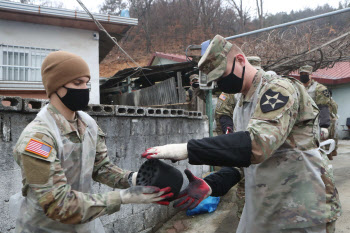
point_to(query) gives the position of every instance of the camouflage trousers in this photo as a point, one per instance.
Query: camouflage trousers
(240, 197)
(330, 228)
(333, 135)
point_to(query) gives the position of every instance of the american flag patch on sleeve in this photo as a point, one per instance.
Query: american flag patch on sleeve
(222, 96)
(38, 148)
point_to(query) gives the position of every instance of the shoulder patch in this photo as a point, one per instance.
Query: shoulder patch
(223, 97)
(272, 100)
(38, 148)
(326, 93)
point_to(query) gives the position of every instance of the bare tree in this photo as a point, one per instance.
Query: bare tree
(242, 13)
(287, 49)
(142, 10)
(260, 11)
(112, 6)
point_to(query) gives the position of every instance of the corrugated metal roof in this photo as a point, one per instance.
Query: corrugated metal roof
(338, 74)
(153, 73)
(60, 12)
(169, 56)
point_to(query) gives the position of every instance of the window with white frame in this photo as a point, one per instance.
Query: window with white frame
(19, 63)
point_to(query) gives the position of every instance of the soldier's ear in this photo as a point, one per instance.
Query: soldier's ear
(240, 59)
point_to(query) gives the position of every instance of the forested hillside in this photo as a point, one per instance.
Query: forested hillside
(171, 25)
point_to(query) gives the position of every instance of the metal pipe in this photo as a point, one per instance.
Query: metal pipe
(209, 111)
(289, 23)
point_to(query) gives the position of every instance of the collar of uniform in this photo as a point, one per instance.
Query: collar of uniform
(64, 125)
(254, 86)
(310, 84)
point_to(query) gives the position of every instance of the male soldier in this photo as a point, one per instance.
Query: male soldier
(289, 185)
(193, 92)
(226, 104)
(224, 124)
(62, 150)
(321, 95)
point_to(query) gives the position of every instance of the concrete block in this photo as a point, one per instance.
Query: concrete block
(143, 127)
(178, 113)
(155, 112)
(5, 128)
(18, 123)
(172, 211)
(33, 105)
(130, 224)
(11, 103)
(138, 208)
(195, 115)
(99, 110)
(7, 161)
(154, 215)
(120, 126)
(10, 184)
(149, 230)
(124, 212)
(124, 110)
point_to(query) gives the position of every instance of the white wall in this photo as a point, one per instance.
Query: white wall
(341, 95)
(73, 40)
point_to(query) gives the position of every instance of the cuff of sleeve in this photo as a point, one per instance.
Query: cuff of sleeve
(113, 202)
(125, 179)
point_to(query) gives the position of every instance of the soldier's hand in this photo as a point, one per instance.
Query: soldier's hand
(324, 133)
(174, 152)
(196, 191)
(145, 195)
(228, 130)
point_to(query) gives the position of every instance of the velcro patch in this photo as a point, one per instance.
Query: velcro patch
(272, 100)
(222, 97)
(326, 93)
(38, 148)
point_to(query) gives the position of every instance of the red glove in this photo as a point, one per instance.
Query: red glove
(196, 191)
(228, 130)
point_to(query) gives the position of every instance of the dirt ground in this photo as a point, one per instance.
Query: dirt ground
(224, 220)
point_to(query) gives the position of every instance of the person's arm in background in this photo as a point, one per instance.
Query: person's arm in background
(224, 111)
(323, 102)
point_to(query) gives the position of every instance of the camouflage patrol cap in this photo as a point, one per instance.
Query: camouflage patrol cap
(194, 76)
(213, 62)
(306, 69)
(255, 61)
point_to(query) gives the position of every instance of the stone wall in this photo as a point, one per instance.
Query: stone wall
(130, 130)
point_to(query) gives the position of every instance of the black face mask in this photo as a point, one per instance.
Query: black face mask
(231, 84)
(75, 99)
(195, 85)
(304, 78)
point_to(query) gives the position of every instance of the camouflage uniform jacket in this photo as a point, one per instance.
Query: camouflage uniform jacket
(48, 181)
(224, 107)
(284, 125)
(320, 94)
